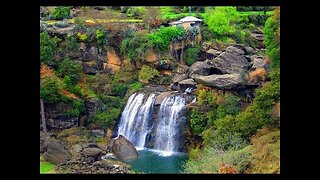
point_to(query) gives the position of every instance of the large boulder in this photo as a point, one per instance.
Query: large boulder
(56, 152)
(232, 61)
(179, 77)
(225, 81)
(212, 53)
(199, 68)
(187, 83)
(122, 148)
(183, 85)
(235, 50)
(91, 151)
(249, 50)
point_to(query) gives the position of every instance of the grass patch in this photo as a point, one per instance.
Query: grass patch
(46, 167)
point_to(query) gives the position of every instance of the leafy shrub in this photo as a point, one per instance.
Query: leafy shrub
(76, 89)
(248, 39)
(77, 107)
(48, 47)
(147, 73)
(230, 106)
(134, 47)
(251, 26)
(161, 39)
(136, 86)
(239, 36)
(258, 20)
(206, 97)
(198, 121)
(107, 117)
(83, 37)
(136, 11)
(218, 20)
(272, 38)
(71, 69)
(265, 150)
(194, 153)
(72, 43)
(120, 89)
(211, 158)
(50, 89)
(61, 13)
(100, 36)
(192, 54)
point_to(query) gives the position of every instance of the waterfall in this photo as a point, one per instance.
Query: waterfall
(163, 131)
(134, 119)
(167, 131)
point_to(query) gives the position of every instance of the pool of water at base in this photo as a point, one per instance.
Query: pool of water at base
(158, 162)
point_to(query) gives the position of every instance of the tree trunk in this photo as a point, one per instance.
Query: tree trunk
(43, 120)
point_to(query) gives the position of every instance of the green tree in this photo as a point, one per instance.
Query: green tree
(134, 47)
(198, 121)
(71, 69)
(231, 106)
(61, 13)
(192, 54)
(161, 39)
(272, 38)
(218, 20)
(147, 73)
(50, 89)
(48, 47)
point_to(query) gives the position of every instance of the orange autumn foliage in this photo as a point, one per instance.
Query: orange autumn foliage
(84, 86)
(227, 169)
(46, 71)
(256, 75)
(68, 94)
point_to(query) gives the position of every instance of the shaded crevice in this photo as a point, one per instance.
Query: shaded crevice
(215, 71)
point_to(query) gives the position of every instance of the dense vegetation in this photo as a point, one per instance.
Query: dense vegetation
(236, 134)
(230, 129)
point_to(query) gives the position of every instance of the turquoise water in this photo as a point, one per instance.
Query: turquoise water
(150, 161)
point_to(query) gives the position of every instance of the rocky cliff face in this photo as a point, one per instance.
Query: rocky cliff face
(228, 69)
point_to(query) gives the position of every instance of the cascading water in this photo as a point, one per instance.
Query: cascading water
(134, 119)
(143, 118)
(167, 131)
(156, 132)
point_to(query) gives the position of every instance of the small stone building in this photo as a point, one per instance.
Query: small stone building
(187, 22)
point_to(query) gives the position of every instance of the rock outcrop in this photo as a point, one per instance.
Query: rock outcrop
(161, 96)
(113, 61)
(200, 68)
(225, 81)
(122, 148)
(232, 61)
(212, 53)
(55, 152)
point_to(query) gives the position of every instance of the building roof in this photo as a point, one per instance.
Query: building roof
(189, 18)
(175, 22)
